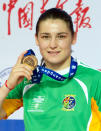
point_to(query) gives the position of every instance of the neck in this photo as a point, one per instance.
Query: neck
(59, 66)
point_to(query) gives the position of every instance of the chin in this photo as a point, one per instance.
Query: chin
(54, 62)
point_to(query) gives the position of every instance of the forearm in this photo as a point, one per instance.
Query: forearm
(3, 93)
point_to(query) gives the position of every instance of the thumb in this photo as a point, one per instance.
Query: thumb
(20, 57)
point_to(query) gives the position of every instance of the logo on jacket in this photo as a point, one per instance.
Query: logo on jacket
(69, 103)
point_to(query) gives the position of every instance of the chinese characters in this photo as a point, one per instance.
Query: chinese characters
(25, 13)
(25, 16)
(81, 19)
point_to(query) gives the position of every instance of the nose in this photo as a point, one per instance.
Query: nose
(53, 43)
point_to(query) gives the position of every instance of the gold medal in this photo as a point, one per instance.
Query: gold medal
(30, 61)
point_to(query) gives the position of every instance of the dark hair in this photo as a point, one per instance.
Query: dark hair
(55, 13)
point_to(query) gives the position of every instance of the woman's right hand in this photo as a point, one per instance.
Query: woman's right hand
(18, 72)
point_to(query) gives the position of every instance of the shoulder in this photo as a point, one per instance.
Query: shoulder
(85, 67)
(87, 70)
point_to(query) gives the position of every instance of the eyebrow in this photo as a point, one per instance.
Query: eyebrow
(62, 33)
(45, 33)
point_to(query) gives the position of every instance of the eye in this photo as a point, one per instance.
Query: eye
(61, 36)
(45, 37)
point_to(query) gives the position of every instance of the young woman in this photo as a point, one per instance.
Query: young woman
(61, 99)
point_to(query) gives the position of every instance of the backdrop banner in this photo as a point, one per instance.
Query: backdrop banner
(17, 30)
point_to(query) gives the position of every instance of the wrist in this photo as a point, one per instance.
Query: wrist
(7, 86)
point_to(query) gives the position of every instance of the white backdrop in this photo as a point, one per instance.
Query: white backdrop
(14, 40)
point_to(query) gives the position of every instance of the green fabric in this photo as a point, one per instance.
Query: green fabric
(44, 104)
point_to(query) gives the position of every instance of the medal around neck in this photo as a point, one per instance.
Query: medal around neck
(30, 60)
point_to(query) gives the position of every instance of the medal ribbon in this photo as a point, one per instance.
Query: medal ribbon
(37, 73)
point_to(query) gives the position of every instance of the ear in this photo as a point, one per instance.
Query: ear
(36, 40)
(74, 38)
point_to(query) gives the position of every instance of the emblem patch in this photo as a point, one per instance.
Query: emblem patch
(69, 103)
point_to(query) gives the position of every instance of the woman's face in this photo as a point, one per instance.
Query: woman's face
(54, 40)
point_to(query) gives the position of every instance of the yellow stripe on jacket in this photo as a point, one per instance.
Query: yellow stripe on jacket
(11, 105)
(95, 124)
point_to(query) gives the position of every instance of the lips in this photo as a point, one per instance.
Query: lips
(53, 52)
